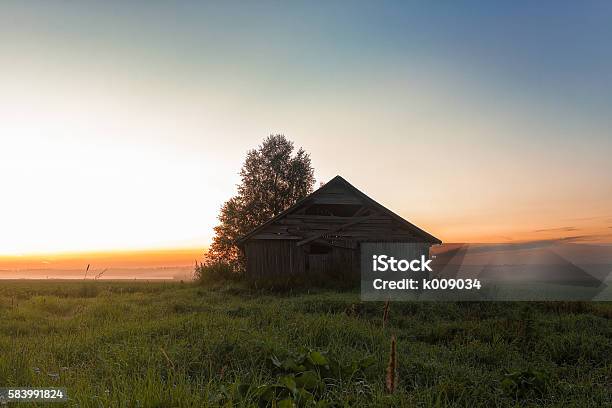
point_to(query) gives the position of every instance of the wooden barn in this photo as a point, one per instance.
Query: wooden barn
(322, 234)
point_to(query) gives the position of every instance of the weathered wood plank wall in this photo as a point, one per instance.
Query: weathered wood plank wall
(274, 257)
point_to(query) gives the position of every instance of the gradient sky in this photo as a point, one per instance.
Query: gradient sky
(123, 125)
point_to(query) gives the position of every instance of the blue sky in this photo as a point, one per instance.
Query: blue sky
(503, 110)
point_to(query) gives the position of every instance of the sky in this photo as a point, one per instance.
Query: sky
(123, 125)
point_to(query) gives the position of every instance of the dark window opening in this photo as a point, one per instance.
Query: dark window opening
(319, 249)
(336, 210)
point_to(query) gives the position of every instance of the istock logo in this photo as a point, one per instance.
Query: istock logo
(382, 263)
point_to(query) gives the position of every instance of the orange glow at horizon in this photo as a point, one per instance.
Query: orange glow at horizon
(149, 258)
(589, 230)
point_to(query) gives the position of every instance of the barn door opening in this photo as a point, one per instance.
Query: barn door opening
(318, 257)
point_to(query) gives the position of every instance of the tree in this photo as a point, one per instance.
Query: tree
(272, 180)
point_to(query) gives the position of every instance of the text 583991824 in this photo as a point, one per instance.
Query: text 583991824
(29, 394)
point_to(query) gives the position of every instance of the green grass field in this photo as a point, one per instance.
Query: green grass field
(131, 344)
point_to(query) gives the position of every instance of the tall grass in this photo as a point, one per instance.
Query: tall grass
(215, 273)
(173, 345)
(391, 374)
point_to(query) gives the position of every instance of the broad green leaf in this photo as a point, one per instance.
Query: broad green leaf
(269, 392)
(291, 365)
(309, 380)
(317, 358)
(289, 382)
(304, 397)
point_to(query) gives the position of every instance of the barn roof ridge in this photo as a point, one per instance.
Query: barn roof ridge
(339, 179)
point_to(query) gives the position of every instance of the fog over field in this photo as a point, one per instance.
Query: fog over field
(593, 259)
(168, 264)
(161, 273)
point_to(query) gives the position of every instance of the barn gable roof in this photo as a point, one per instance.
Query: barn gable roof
(338, 181)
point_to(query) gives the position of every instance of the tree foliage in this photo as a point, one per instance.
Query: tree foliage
(273, 178)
